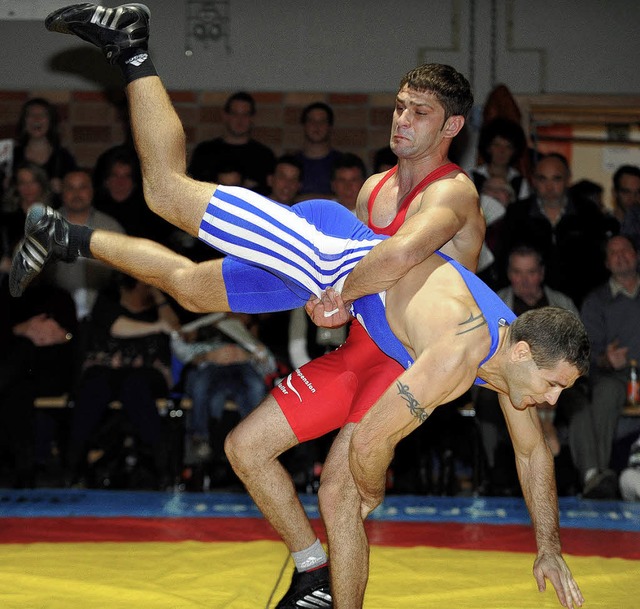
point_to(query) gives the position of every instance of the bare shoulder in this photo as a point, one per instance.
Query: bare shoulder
(362, 204)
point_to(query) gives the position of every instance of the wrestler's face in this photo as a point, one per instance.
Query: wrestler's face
(530, 385)
(418, 126)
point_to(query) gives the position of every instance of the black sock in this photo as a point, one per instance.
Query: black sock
(79, 239)
(135, 63)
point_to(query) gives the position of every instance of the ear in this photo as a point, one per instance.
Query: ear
(453, 126)
(521, 352)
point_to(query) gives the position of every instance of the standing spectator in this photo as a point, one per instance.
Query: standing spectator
(569, 234)
(502, 144)
(626, 208)
(347, 177)
(82, 278)
(39, 141)
(317, 155)
(527, 291)
(236, 146)
(286, 180)
(611, 315)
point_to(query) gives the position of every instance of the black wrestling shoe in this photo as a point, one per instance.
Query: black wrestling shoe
(46, 237)
(111, 29)
(308, 590)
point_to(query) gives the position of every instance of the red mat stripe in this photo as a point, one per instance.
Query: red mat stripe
(508, 538)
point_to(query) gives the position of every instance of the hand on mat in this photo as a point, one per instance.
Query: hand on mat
(553, 568)
(328, 311)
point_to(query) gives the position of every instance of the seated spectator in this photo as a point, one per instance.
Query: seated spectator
(317, 154)
(626, 206)
(38, 141)
(29, 185)
(36, 360)
(527, 291)
(611, 315)
(84, 277)
(348, 174)
(286, 180)
(569, 234)
(236, 146)
(120, 196)
(128, 359)
(219, 368)
(591, 191)
(502, 144)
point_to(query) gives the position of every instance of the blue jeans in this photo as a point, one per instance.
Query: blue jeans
(209, 386)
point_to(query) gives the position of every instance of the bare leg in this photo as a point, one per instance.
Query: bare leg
(253, 448)
(197, 287)
(340, 507)
(160, 142)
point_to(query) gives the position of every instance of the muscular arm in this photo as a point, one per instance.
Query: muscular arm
(400, 410)
(445, 208)
(536, 473)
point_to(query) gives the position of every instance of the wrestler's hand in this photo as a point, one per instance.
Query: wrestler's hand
(328, 311)
(554, 568)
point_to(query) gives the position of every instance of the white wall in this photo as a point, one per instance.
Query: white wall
(534, 46)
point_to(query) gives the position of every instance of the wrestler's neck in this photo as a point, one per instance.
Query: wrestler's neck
(492, 372)
(411, 171)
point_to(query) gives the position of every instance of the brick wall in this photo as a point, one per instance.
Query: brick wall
(90, 121)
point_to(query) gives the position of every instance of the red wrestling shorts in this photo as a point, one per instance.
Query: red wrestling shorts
(337, 388)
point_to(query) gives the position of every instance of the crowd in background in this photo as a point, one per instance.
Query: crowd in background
(103, 339)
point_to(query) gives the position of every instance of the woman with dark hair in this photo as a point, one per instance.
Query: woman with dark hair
(501, 145)
(38, 141)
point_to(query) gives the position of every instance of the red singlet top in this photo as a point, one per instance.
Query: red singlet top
(397, 222)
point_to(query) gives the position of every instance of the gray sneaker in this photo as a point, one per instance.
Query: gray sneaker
(111, 29)
(46, 237)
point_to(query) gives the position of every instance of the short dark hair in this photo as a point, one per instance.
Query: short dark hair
(240, 96)
(348, 160)
(450, 87)
(624, 170)
(384, 156)
(289, 159)
(553, 335)
(326, 108)
(526, 250)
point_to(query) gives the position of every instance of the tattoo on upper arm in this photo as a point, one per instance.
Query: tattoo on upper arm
(473, 323)
(414, 406)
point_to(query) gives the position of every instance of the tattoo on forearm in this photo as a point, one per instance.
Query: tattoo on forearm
(473, 323)
(414, 406)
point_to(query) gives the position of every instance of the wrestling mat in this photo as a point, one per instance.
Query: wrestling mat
(68, 549)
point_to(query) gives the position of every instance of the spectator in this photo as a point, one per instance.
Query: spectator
(317, 154)
(569, 234)
(384, 159)
(128, 359)
(286, 180)
(347, 177)
(218, 369)
(235, 146)
(39, 141)
(120, 196)
(501, 146)
(527, 291)
(82, 278)
(626, 208)
(611, 315)
(30, 185)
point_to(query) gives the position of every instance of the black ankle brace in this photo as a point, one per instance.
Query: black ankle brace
(79, 240)
(135, 63)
